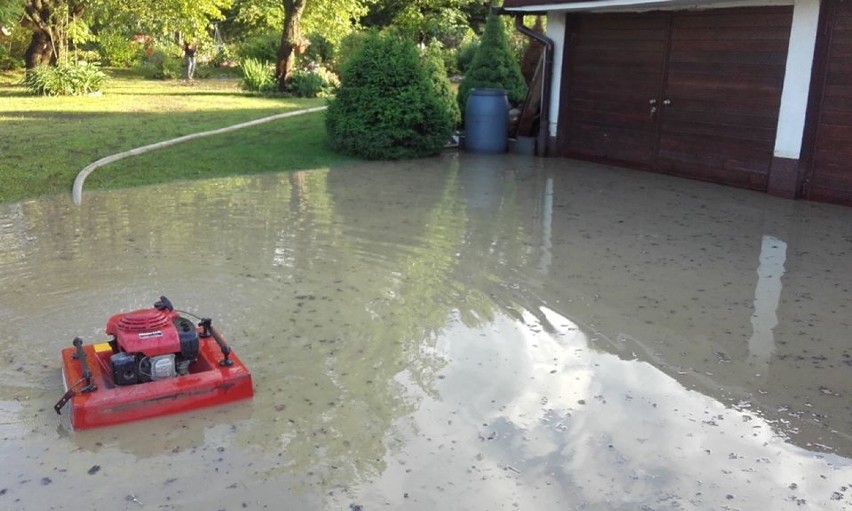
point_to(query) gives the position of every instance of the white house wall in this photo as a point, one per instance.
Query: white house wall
(797, 79)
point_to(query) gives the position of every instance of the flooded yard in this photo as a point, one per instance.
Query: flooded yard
(458, 333)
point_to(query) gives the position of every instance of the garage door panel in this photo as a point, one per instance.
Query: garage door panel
(624, 144)
(648, 34)
(721, 134)
(835, 178)
(721, 118)
(685, 144)
(613, 60)
(591, 139)
(764, 97)
(829, 155)
(691, 106)
(739, 176)
(741, 91)
(743, 35)
(729, 61)
(627, 110)
(594, 87)
(831, 182)
(614, 65)
(842, 49)
(731, 18)
(720, 70)
(836, 117)
(613, 74)
(636, 23)
(723, 45)
(838, 92)
(614, 118)
(617, 46)
(828, 194)
(835, 136)
(843, 22)
(741, 77)
(830, 177)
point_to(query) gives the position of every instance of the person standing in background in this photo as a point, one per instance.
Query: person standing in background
(189, 48)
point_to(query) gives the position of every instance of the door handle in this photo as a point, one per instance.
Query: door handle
(653, 111)
(667, 102)
(652, 102)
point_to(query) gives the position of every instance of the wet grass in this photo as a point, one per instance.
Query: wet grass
(46, 141)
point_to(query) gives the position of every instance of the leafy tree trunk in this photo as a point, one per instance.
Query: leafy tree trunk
(291, 41)
(47, 19)
(40, 51)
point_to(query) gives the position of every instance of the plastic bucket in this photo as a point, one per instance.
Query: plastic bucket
(486, 121)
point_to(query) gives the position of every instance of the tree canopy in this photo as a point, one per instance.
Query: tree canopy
(55, 24)
(49, 20)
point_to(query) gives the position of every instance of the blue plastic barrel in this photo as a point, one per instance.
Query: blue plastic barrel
(486, 121)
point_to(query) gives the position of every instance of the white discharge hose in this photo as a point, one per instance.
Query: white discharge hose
(77, 189)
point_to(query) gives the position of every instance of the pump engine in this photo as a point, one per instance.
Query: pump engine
(151, 344)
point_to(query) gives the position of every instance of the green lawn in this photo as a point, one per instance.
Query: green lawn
(46, 141)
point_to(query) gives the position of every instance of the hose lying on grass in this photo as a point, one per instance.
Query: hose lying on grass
(77, 189)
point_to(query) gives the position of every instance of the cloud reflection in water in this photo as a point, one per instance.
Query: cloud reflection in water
(543, 417)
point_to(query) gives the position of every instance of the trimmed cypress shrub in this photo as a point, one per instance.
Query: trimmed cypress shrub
(387, 106)
(434, 62)
(494, 66)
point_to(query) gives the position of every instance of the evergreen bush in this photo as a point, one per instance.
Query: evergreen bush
(494, 66)
(349, 47)
(434, 61)
(465, 55)
(387, 106)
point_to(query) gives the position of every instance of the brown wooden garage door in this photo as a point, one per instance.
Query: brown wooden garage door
(692, 94)
(830, 178)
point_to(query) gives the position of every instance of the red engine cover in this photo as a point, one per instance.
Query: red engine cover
(148, 331)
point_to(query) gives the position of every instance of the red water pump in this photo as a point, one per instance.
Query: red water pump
(151, 344)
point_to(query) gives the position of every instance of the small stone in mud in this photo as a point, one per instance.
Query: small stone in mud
(94, 470)
(46, 480)
(3, 491)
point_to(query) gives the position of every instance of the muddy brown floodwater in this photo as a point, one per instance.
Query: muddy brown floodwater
(457, 333)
